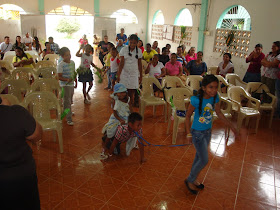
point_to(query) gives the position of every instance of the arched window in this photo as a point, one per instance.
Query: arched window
(183, 18)
(10, 11)
(69, 10)
(158, 18)
(124, 16)
(235, 17)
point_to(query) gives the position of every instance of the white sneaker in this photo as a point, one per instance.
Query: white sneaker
(70, 123)
(87, 101)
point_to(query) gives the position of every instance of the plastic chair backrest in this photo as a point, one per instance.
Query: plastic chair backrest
(213, 69)
(16, 87)
(6, 64)
(31, 52)
(40, 104)
(50, 85)
(147, 86)
(222, 81)
(233, 79)
(144, 66)
(11, 98)
(256, 86)
(35, 58)
(42, 64)
(10, 53)
(46, 72)
(194, 81)
(178, 97)
(23, 73)
(172, 81)
(9, 58)
(52, 57)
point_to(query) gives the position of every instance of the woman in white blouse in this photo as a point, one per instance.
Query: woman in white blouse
(226, 66)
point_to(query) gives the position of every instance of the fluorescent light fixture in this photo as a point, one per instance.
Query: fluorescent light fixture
(66, 9)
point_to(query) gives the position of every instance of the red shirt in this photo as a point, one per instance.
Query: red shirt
(255, 67)
(142, 49)
(123, 134)
(83, 41)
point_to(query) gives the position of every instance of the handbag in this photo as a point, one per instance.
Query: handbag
(263, 97)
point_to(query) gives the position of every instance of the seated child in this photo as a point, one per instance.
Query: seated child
(126, 133)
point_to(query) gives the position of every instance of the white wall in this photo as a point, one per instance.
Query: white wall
(9, 28)
(264, 16)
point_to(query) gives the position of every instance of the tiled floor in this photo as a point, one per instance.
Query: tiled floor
(243, 173)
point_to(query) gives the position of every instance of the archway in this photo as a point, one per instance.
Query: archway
(183, 18)
(158, 18)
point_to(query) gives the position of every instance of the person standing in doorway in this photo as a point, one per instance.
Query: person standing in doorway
(54, 46)
(122, 36)
(103, 46)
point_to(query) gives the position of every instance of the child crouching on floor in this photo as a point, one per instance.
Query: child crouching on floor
(126, 133)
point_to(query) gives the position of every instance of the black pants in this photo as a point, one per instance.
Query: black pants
(20, 194)
(101, 58)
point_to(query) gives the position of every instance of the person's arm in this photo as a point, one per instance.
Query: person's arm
(30, 47)
(29, 61)
(120, 68)
(250, 57)
(270, 64)
(204, 69)
(140, 70)
(163, 73)
(78, 54)
(117, 39)
(224, 119)
(190, 111)
(61, 78)
(113, 145)
(37, 135)
(17, 64)
(118, 118)
(180, 71)
(230, 70)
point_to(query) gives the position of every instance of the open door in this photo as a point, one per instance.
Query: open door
(105, 26)
(35, 25)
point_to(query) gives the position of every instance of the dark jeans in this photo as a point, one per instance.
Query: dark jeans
(20, 194)
(101, 57)
(252, 77)
(201, 141)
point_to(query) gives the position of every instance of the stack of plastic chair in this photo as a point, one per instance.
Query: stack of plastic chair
(259, 88)
(51, 57)
(38, 102)
(148, 98)
(222, 82)
(144, 67)
(178, 96)
(236, 94)
(24, 73)
(9, 58)
(235, 80)
(42, 64)
(46, 72)
(7, 65)
(36, 58)
(194, 81)
(212, 70)
(18, 88)
(11, 98)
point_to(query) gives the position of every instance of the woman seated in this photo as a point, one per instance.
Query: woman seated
(35, 45)
(191, 55)
(140, 45)
(18, 44)
(253, 73)
(174, 67)
(164, 57)
(197, 67)
(225, 66)
(48, 50)
(22, 59)
(155, 47)
(148, 53)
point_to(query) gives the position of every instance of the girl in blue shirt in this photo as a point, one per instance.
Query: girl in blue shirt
(203, 105)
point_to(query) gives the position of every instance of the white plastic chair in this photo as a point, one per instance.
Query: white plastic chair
(7, 65)
(235, 95)
(42, 64)
(51, 57)
(46, 72)
(235, 80)
(212, 70)
(38, 104)
(9, 58)
(259, 88)
(148, 98)
(18, 88)
(24, 73)
(11, 98)
(225, 83)
(179, 95)
(194, 81)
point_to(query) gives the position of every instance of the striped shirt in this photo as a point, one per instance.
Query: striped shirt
(123, 134)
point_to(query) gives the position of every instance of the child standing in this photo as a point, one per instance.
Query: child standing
(203, 105)
(86, 74)
(65, 70)
(126, 133)
(114, 62)
(121, 111)
(108, 66)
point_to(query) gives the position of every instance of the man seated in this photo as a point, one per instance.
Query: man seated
(126, 134)
(5, 46)
(27, 40)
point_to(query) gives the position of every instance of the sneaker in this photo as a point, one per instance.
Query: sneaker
(87, 101)
(70, 123)
(88, 97)
(136, 146)
(73, 113)
(106, 88)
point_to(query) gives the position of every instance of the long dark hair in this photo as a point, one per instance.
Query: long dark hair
(277, 43)
(17, 41)
(23, 53)
(229, 55)
(37, 44)
(135, 38)
(206, 81)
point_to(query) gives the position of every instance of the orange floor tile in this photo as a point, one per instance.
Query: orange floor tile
(243, 173)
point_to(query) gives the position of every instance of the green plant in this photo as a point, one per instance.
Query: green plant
(68, 25)
(183, 33)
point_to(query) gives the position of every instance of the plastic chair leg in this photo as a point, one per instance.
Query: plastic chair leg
(271, 118)
(175, 130)
(60, 140)
(247, 121)
(257, 123)
(239, 121)
(54, 135)
(165, 112)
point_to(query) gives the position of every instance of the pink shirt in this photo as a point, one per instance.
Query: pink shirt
(173, 69)
(189, 58)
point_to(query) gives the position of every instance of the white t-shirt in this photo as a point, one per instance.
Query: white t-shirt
(156, 70)
(225, 70)
(86, 60)
(27, 40)
(67, 70)
(6, 47)
(114, 64)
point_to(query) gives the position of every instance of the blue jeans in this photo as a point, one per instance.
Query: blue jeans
(109, 78)
(201, 140)
(277, 87)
